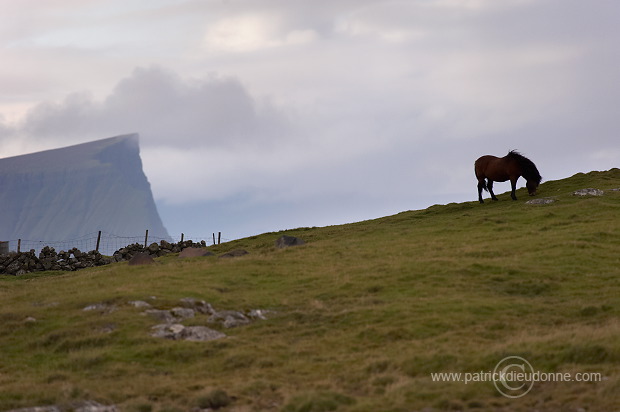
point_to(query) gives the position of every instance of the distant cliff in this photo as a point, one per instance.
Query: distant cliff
(66, 193)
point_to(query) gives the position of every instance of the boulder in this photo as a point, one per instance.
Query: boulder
(286, 241)
(173, 315)
(190, 252)
(139, 304)
(141, 259)
(161, 315)
(183, 313)
(167, 331)
(86, 406)
(200, 334)
(100, 307)
(153, 249)
(541, 201)
(234, 253)
(190, 333)
(229, 318)
(258, 314)
(588, 192)
(199, 306)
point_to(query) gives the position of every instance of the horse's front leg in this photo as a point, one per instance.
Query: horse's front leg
(490, 187)
(513, 183)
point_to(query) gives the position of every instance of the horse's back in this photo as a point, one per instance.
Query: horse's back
(483, 160)
(482, 163)
(494, 168)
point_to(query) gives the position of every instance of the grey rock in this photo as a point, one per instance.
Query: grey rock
(541, 201)
(86, 406)
(588, 192)
(229, 318)
(189, 333)
(201, 334)
(139, 304)
(153, 248)
(141, 259)
(286, 241)
(161, 315)
(182, 313)
(90, 406)
(260, 314)
(198, 305)
(190, 252)
(234, 253)
(102, 307)
(167, 331)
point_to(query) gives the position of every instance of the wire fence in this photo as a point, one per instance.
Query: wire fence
(106, 243)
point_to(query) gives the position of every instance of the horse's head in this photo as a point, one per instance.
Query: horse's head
(531, 187)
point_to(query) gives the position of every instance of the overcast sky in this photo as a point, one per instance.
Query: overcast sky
(262, 115)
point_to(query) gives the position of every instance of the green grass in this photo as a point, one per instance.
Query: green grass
(364, 313)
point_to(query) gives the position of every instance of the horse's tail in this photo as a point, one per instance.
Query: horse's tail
(481, 182)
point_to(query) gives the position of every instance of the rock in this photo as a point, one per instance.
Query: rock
(90, 406)
(87, 406)
(198, 305)
(30, 319)
(161, 315)
(190, 252)
(588, 192)
(141, 259)
(139, 304)
(286, 241)
(190, 333)
(170, 316)
(167, 331)
(182, 313)
(153, 249)
(260, 314)
(102, 307)
(229, 318)
(234, 253)
(541, 201)
(200, 334)
(15, 263)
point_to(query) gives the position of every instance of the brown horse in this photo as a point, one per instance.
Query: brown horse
(491, 169)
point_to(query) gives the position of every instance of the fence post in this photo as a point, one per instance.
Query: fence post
(19, 245)
(98, 241)
(219, 237)
(214, 238)
(182, 236)
(146, 238)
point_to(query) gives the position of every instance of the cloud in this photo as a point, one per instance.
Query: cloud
(254, 32)
(166, 110)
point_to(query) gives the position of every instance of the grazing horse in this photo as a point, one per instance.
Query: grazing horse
(491, 169)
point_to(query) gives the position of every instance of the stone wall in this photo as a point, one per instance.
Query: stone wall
(21, 263)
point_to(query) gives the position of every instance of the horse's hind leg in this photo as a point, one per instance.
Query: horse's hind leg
(481, 185)
(490, 188)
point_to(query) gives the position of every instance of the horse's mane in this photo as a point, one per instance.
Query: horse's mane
(528, 168)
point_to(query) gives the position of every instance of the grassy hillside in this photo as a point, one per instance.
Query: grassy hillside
(363, 314)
